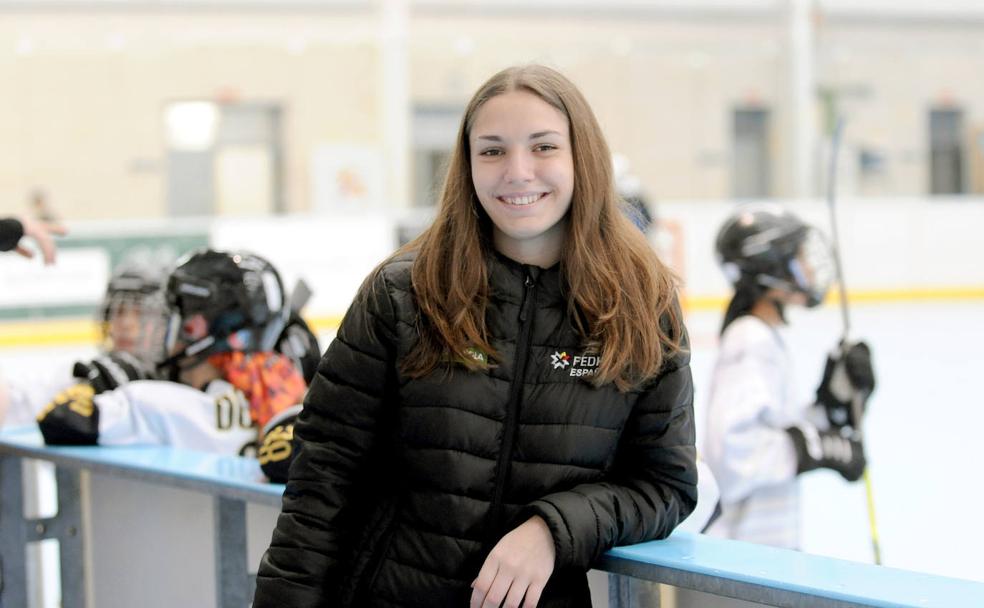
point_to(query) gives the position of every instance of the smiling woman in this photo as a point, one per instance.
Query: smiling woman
(523, 173)
(509, 395)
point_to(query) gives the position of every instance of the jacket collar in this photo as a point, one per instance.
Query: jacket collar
(507, 279)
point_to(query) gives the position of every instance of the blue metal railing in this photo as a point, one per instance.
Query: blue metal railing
(724, 568)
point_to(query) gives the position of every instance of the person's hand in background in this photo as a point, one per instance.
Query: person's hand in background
(42, 233)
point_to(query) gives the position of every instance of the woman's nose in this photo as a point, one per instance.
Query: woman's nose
(519, 168)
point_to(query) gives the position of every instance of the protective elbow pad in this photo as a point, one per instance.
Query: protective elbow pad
(277, 446)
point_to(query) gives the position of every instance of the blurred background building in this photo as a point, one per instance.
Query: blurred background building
(139, 108)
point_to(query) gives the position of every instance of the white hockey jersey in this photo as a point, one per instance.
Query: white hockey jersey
(745, 444)
(157, 412)
(28, 394)
(154, 412)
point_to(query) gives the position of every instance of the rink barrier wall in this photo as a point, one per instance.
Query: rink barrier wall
(730, 569)
(893, 250)
(83, 332)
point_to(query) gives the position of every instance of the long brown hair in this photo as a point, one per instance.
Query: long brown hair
(618, 289)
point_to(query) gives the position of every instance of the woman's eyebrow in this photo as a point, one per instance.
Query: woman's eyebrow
(536, 135)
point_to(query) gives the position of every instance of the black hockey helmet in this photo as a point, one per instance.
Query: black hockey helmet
(221, 302)
(764, 246)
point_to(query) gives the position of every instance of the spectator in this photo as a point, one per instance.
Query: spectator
(508, 396)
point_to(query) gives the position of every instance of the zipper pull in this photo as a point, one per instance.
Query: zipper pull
(530, 283)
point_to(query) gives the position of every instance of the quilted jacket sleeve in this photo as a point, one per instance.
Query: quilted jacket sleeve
(651, 487)
(337, 433)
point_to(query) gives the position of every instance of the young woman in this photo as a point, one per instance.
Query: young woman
(509, 395)
(758, 437)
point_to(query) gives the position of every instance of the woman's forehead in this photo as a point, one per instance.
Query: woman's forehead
(518, 114)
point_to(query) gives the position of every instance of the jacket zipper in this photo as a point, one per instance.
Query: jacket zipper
(512, 408)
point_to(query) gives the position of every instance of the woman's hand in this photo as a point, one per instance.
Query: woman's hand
(519, 565)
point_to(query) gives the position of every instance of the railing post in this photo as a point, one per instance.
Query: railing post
(71, 538)
(13, 535)
(628, 592)
(233, 585)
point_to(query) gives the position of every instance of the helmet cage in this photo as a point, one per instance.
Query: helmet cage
(763, 248)
(131, 315)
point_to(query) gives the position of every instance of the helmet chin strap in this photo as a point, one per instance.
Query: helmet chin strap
(187, 358)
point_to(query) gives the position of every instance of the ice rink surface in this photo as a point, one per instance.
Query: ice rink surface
(923, 429)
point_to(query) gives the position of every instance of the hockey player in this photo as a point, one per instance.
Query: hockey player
(758, 439)
(131, 319)
(226, 389)
(131, 322)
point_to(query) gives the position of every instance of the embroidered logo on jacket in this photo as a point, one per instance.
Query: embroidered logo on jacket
(580, 365)
(560, 360)
(476, 354)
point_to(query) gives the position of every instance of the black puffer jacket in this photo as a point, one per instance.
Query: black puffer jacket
(402, 487)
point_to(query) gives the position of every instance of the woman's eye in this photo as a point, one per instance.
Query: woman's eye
(490, 152)
(544, 147)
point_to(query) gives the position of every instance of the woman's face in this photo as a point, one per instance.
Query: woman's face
(523, 174)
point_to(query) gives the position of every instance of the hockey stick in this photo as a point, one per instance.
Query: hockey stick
(856, 403)
(835, 238)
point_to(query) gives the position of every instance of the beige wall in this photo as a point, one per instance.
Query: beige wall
(83, 94)
(662, 91)
(82, 111)
(893, 75)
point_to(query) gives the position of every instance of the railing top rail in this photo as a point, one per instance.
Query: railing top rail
(782, 577)
(218, 475)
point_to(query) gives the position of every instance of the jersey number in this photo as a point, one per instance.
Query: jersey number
(230, 410)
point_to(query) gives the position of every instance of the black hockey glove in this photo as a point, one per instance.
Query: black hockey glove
(827, 449)
(848, 381)
(107, 372)
(72, 417)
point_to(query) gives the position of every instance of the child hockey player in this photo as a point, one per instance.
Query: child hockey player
(758, 439)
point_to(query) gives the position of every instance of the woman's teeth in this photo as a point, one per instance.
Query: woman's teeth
(521, 200)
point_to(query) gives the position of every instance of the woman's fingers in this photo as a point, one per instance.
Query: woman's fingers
(497, 593)
(533, 595)
(483, 583)
(516, 593)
